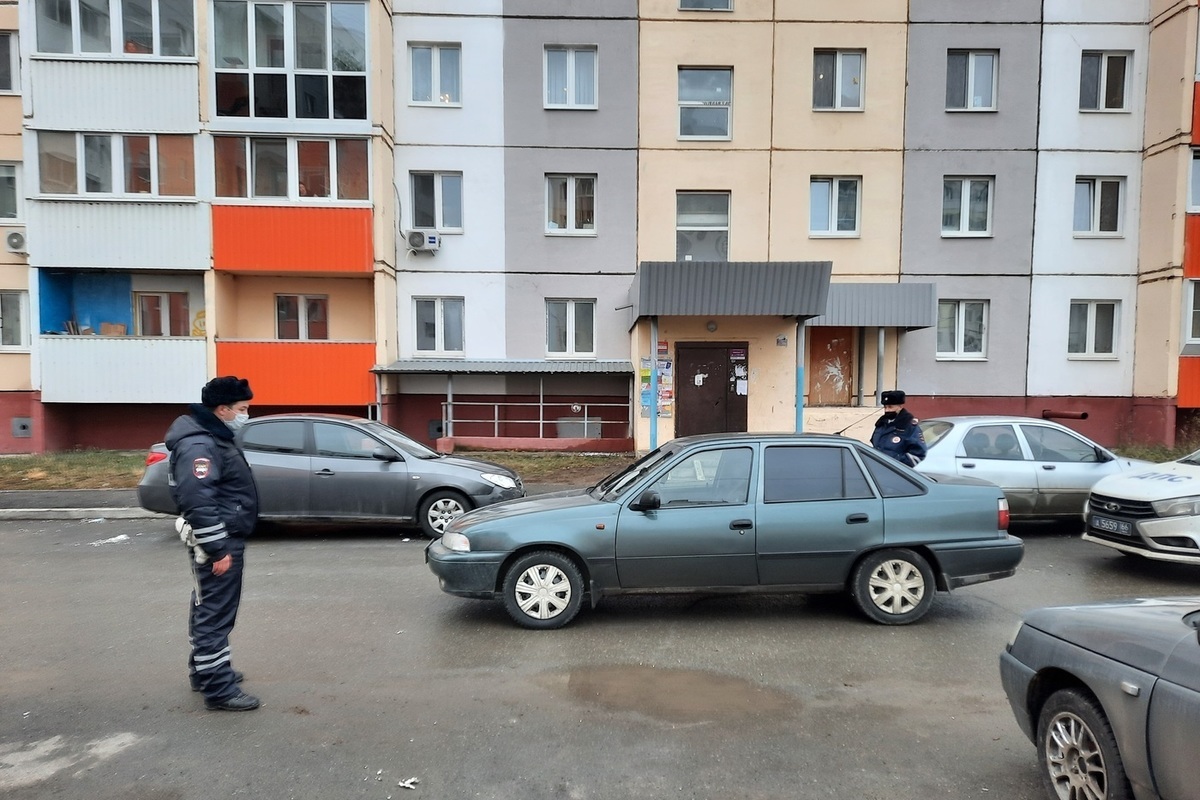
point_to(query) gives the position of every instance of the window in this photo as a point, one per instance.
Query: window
(888, 479)
(10, 63)
(120, 165)
(1052, 444)
(1194, 183)
(570, 204)
(1092, 329)
(290, 60)
(1103, 81)
(967, 206)
(299, 316)
(10, 191)
(571, 327)
(162, 314)
(706, 5)
(797, 474)
(570, 77)
(702, 226)
(131, 27)
(437, 200)
(711, 477)
(292, 168)
(436, 74)
(971, 80)
(995, 442)
(439, 325)
(705, 100)
(962, 328)
(342, 441)
(1098, 205)
(838, 80)
(1193, 311)
(833, 206)
(275, 437)
(14, 313)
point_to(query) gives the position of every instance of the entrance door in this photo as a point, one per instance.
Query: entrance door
(829, 354)
(711, 383)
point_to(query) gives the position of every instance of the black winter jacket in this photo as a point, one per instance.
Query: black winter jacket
(900, 438)
(211, 481)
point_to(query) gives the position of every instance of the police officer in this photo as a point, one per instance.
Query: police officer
(896, 432)
(218, 504)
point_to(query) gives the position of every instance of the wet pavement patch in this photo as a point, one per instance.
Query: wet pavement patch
(676, 695)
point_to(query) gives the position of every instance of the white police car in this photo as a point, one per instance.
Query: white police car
(1152, 512)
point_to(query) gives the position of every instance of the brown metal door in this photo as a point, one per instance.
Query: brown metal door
(710, 388)
(829, 354)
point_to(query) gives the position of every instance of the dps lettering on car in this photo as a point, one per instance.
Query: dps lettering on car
(1161, 476)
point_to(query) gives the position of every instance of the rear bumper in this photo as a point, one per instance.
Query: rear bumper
(464, 574)
(156, 498)
(966, 563)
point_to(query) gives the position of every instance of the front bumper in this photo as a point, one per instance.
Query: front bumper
(1016, 678)
(497, 495)
(464, 574)
(1161, 538)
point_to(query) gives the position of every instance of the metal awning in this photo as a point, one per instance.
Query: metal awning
(880, 305)
(730, 288)
(505, 366)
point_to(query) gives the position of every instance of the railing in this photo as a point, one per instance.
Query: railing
(529, 420)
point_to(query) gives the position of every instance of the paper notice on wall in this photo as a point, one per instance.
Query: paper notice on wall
(741, 386)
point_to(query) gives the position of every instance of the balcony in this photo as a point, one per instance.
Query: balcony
(305, 373)
(121, 369)
(275, 239)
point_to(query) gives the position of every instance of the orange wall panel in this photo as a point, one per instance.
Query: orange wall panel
(1191, 246)
(292, 239)
(302, 373)
(1189, 382)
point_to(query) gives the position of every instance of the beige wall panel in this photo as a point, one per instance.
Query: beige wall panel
(351, 306)
(8, 18)
(844, 11)
(875, 253)
(664, 47)
(880, 125)
(771, 393)
(12, 275)
(746, 176)
(14, 372)
(743, 10)
(1156, 371)
(11, 119)
(1171, 77)
(11, 148)
(1164, 198)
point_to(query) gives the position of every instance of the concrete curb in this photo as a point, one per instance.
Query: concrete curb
(78, 513)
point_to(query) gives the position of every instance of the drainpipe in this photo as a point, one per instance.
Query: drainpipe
(800, 347)
(858, 377)
(449, 406)
(653, 383)
(879, 366)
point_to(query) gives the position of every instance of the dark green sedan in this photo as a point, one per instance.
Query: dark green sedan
(736, 513)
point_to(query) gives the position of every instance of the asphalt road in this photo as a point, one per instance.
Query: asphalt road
(370, 676)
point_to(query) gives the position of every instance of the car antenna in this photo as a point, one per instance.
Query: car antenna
(852, 424)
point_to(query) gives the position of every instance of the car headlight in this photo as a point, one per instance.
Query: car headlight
(1012, 637)
(456, 542)
(1177, 507)
(503, 481)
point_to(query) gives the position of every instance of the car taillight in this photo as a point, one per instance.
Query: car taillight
(1002, 515)
(153, 457)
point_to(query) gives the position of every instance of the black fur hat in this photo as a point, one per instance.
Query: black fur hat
(892, 398)
(225, 391)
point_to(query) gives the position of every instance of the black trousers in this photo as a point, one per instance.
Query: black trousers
(211, 620)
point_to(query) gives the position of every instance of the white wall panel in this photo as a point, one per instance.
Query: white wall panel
(98, 369)
(114, 96)
(119, 234)
(483, 310)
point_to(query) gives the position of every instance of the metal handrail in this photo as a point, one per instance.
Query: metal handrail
(449, 418)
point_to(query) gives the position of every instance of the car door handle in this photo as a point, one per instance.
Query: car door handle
(855, 519)
(324, 473)
(1047, 466)
(741, 524)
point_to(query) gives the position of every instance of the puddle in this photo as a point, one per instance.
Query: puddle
(676, 695)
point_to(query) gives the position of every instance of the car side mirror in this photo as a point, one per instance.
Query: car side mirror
(382, 453)
(1102, 456)
(649, 501)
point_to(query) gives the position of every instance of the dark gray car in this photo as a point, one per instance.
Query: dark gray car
(325, 467)
(736, 513)
(1110, 694)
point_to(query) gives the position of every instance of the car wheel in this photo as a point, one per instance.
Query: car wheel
(1077, 751)
(894, 587)
(439, 510)
(543, 590)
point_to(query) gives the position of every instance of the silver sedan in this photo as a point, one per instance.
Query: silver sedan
(1045, 469)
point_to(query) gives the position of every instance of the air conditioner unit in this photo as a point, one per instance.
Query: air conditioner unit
(423, 240)
(15, 242)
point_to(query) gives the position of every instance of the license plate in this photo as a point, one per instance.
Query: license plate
(1112, 525)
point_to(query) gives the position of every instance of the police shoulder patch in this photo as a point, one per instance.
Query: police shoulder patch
(201, 467)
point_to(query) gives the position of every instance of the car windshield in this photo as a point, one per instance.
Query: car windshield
(399, 440)
(934, 430)
(616, 484)
(1193, 459)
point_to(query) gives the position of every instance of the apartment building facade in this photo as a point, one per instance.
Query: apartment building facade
(598, 226)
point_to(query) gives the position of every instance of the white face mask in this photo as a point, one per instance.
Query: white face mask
(237, 422)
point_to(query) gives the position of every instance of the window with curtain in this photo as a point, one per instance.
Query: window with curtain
(570, 77)
(971, 80)
(301, 169)
(124, 28)
(838, 80)
(436, 73)
(570, 204)
(159, 164)
(1092, 328)
(702, 226)
(571, 327)
(833, 206)
(439, 325)
(1098, 206)
(1103, 81)
(962, 329)
(299, 316)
